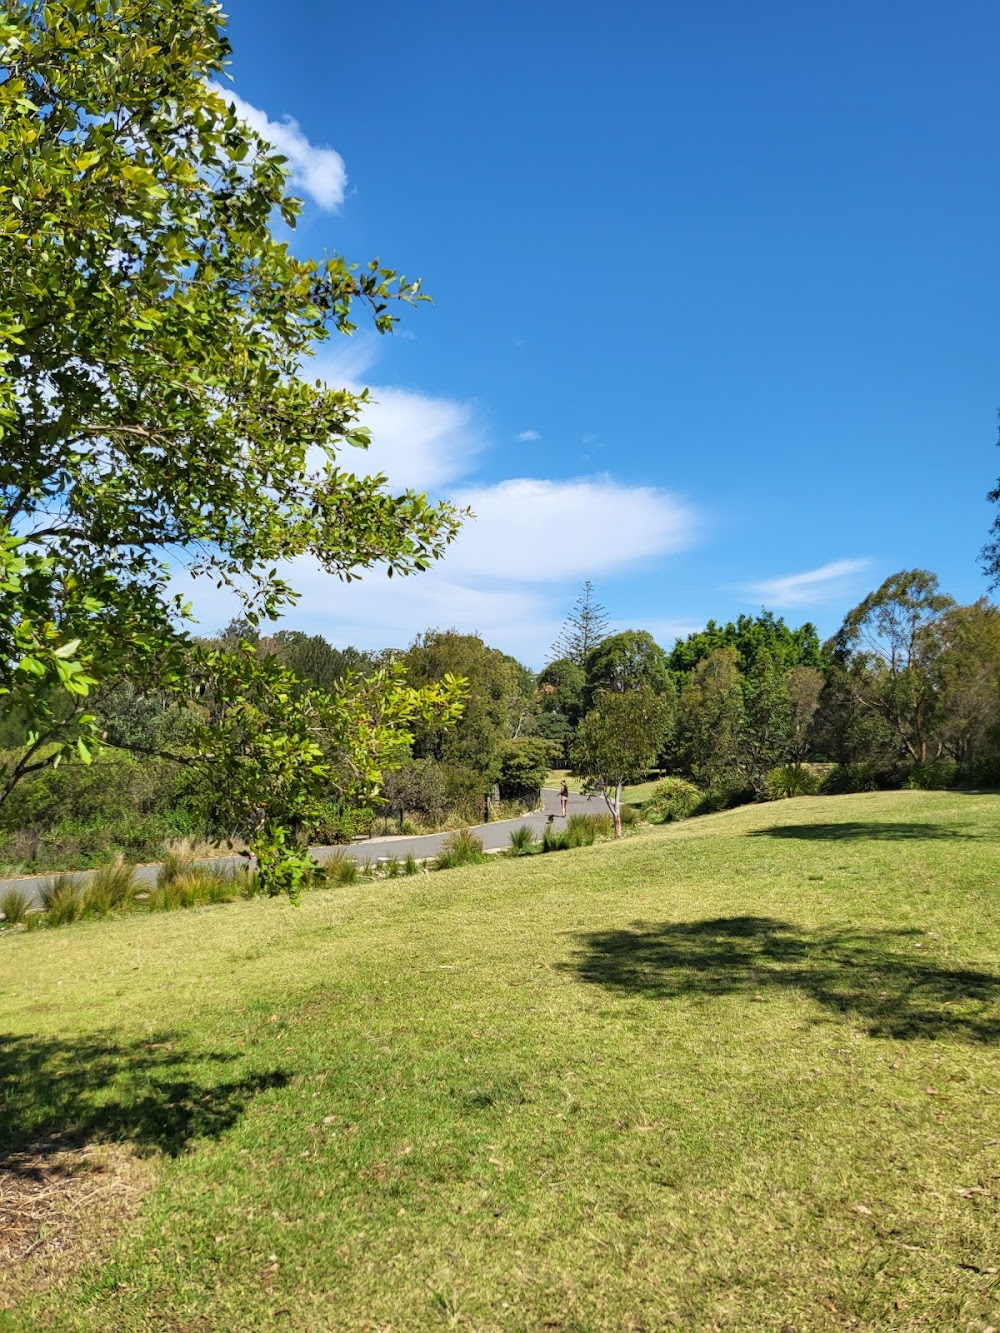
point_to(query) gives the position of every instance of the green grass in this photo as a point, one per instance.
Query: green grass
(741, 1072)
(634, 795)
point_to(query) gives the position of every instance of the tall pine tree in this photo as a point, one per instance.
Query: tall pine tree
(583, 629)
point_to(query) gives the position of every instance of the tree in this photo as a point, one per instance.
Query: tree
(767, 710)
(416, 786)
(626, 661)
(805, 685)
(750, 635)
(583, 629)
(500, 693)
(893, 636)
(152, 391)
(559, 703)
(618, 741)
(967, 678)
(711, 722)
(524, 763)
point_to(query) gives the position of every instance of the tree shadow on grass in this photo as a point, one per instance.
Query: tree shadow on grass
(156, 1095)
(872, 977)
(874, 830)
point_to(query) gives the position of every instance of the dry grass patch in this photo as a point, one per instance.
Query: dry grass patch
(62, 1209)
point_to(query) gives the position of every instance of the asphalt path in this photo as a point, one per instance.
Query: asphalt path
(494, 837)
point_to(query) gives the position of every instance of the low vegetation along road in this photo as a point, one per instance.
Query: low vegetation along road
(494, 836)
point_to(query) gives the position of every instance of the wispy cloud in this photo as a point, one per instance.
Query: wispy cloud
(814, 586)
(317, 172)
(418, 441)
(532, 530)
(510, 575)
(527, 435)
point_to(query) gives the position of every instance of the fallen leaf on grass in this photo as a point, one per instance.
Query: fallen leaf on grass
(972, 1189)
(860, 1208)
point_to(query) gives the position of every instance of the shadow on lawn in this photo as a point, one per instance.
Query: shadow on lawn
(60, 1093)
(880, 832)
(870, 976)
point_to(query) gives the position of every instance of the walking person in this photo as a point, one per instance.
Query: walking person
(564, 797)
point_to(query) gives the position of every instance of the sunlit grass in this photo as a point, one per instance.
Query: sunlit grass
(739, 1072)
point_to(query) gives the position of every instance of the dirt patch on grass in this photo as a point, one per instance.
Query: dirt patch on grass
(61, 1209)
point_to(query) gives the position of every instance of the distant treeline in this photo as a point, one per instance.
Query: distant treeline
(908, 690)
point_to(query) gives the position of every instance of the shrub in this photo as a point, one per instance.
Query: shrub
(15, 906)
(603, 824)
(522, 840)
(460, 849)
(850, 778)
(341, 868)
(936, 775)
(62, 900)
(788, 781)
(985, 772)
(339, 824)
(218, 886)
(112, 888)
(673, 798)
(630, 816)
(179, 891)
(553, 841)
(178, 858)
(407, 826)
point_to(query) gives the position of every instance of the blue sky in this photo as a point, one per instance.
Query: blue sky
(715, 295)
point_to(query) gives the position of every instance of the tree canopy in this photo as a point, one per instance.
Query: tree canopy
(155, 404)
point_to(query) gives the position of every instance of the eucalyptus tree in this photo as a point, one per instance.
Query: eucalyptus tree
(894, 640)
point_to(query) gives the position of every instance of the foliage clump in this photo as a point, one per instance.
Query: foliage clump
(672, 798)
(462, 848)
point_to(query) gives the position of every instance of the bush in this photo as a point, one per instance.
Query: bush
(846, 779)
(522, 840)
(460, 849)
(788, 781)
(583, 830)
(15, 906)
(603, 824)
(630, 816)
(339, 824)
(341, 868)
(673, 798)
(984, 772)
(62, 900)
(935, 775)
(553, 841)
(112, 888)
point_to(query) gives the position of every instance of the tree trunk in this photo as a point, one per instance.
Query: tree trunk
(617, 810)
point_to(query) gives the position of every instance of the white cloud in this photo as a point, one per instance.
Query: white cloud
(418, 441)
(318, 172)
(526, 436)
(509, 576)
(816, 585)
(535, 531)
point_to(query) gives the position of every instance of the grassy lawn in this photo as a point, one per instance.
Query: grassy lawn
(738, 1073)
(630, 795)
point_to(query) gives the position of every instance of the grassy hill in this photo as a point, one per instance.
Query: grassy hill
(736, 1073)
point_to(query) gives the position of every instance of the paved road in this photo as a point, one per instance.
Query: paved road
(494, 836)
